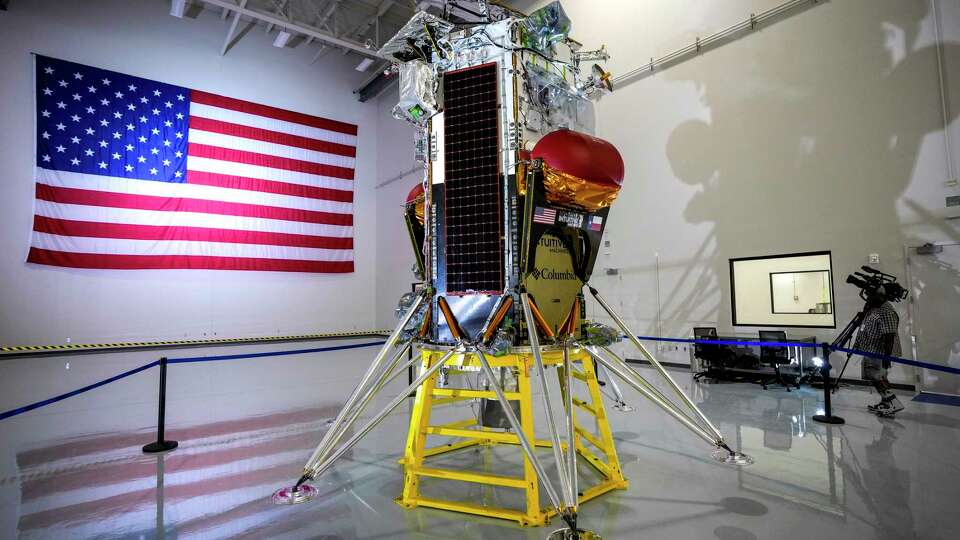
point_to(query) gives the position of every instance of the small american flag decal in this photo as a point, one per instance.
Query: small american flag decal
(547, 216)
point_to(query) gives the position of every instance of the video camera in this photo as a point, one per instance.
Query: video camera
(876, 282)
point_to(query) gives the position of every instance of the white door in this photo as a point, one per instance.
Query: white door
(935, 292)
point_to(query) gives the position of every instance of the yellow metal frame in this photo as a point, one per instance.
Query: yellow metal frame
(467, 433)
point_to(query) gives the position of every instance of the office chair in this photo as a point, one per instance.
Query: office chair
(711, 355)
(776, 357)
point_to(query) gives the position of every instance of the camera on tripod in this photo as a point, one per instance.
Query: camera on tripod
(873, 282)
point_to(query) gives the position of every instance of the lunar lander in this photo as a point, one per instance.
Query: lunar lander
(506, 227)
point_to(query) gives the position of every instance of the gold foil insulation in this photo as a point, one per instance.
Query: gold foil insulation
(522, 168)
(568, 190)
(418, 205)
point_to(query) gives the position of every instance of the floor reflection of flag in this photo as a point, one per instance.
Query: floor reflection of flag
(216, 485)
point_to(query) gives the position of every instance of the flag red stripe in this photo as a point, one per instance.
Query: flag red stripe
(86, 511)
(91, 229)
(266, 135)
(267, 186)
(173, 204)
(248, 107)
(266, 160)
(192, 262)
(114, 441)
(115, 472)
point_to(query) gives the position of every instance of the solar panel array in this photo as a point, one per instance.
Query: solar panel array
(472, 181)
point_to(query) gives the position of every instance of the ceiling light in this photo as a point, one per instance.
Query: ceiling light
(282, 38)
(177, 8)
(364, 64)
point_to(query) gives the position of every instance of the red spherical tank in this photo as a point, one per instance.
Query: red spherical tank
(579, 170)
(415, 199)
(581, 155)
(415, 193)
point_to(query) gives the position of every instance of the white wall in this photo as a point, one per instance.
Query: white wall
(395, 256)
(820, 132)
(799, 292)
(41, 304)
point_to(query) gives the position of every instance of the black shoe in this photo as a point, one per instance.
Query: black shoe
(889, 408)
(883, 399)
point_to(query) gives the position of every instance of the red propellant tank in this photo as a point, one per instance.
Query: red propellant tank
(579, 170)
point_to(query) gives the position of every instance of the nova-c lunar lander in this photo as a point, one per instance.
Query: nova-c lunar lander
(506, 226)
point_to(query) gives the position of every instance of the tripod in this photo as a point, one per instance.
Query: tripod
(841, 341)
(844, 338)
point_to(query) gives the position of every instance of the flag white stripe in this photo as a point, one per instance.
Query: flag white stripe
(263, 122)
(188, 191)
(114, 246)
(233, 168)
(261, 147)
(139, 512)
(105, 214)
(83, 494)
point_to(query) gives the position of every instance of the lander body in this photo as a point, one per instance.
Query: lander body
(506, 226)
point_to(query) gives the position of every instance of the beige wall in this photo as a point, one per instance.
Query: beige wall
(820, 132)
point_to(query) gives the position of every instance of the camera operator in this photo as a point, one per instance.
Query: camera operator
(878, 334)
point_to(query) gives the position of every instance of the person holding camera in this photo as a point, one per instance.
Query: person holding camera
(879, 335)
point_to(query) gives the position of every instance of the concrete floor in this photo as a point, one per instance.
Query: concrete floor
(74, 469)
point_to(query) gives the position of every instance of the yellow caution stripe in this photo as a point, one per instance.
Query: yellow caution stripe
(88, 346)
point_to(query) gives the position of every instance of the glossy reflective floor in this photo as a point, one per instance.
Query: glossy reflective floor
(75, 470)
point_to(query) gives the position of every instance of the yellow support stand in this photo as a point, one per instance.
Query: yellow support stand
(596, 447)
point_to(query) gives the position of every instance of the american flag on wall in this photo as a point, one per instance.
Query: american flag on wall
(135, 174)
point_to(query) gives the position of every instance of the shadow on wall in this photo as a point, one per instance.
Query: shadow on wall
(811, 139)
(935, 288)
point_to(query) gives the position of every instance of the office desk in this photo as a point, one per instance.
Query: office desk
(801, 358)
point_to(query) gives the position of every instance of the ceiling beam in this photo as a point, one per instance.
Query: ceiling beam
(232, 30)
(362, 28)
(279, 9)
(365, 25)
(294, 26)
(329, 12)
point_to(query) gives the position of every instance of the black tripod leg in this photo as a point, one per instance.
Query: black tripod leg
(842, 370)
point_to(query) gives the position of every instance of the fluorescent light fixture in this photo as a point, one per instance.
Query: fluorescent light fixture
(364, 64)
(177, 8)
(282, 38)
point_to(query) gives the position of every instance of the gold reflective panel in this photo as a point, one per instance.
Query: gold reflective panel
(522, 168)
(552, 282)
(568, 190)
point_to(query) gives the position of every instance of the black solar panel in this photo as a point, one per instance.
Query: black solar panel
(472, 181)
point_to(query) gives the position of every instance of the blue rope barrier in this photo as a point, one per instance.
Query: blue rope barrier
(187, 360)
(61, 397)
(898, 360)
(894, 359)
(125, 374)
(805, 344)
(273, 353)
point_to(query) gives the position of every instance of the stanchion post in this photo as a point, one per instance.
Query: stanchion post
(827, 417)
(161, 444)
